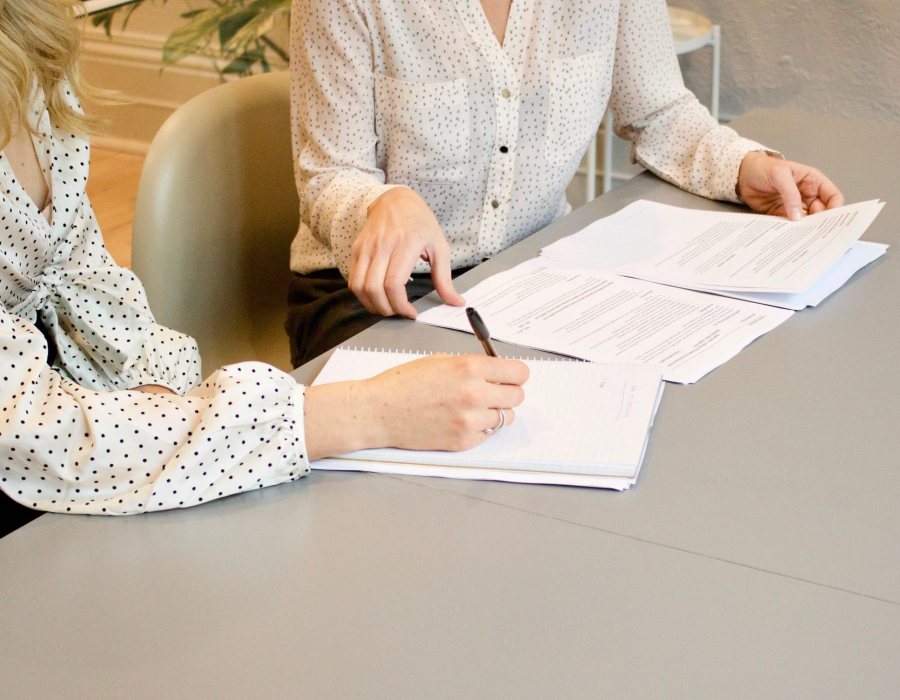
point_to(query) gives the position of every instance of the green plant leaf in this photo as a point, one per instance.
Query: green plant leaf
(240, 26)
(250, 32)
(254, 29)
(230, 26)
(104, 19)
(195, 36)
(276, 49)
(244, 64)
(130, 11)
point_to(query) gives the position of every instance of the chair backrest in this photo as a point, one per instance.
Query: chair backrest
(216, 211)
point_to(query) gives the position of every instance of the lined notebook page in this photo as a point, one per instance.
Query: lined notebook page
(578, 418)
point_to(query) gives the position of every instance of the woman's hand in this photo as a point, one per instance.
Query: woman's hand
(435, 403)
(783, 188)
(400, 229)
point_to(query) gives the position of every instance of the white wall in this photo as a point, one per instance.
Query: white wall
(838, 57)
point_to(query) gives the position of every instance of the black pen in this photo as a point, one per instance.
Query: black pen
(481, 332)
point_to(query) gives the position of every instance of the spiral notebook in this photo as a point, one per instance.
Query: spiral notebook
(582, 424)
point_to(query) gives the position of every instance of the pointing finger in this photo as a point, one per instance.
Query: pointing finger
(783, 181)
(402, 264)
(442, 276)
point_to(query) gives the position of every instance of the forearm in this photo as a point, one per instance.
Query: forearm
(71, 450)
(335, 206)
(340, 418)
(337, 172)
(674, 135)
(684, 145)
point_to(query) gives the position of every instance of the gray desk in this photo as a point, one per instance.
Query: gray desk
(758, 556)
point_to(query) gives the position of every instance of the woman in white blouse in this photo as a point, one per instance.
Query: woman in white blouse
(429, 136)
(101, 409)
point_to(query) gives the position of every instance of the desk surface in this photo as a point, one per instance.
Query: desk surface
(756, 557)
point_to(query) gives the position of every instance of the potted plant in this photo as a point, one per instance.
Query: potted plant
(234, 34)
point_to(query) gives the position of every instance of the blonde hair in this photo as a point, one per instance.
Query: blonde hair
(40, 39)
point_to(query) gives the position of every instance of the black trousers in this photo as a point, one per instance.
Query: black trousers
(323, 312)
(13, 516)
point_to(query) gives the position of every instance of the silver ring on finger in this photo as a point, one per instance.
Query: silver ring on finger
(499, 425)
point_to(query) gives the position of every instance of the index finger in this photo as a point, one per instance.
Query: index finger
(830, 194)
(815, 185)
(398, 272)
(500, 371)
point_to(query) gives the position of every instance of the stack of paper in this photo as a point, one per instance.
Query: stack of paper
(759, 258)
(603, 317)
(581, 424)
(648, 284)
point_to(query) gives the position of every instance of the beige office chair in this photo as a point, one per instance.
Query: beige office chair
(216, 212)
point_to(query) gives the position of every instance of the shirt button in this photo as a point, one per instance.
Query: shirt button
(504, 149)
(506, 93)
(495, 203)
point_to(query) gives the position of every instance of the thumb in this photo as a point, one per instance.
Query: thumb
(783, 180)
(440, 274)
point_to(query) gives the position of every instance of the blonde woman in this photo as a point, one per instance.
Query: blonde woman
(432, 135)
(102, 410)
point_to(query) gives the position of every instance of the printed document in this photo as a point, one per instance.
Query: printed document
(603, 317)
(581, 424)
(713, 251)
(861, 254)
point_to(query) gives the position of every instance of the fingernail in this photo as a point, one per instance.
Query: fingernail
(795, 214)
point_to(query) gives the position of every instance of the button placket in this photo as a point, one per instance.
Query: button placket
(502, 161)
(505, 65)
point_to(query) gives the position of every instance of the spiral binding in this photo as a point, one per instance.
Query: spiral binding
(416, 354)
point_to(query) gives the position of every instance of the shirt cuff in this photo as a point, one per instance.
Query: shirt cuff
(729, 169)
(298, 401)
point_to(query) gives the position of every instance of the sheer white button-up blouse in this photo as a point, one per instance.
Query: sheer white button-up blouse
(422, 94)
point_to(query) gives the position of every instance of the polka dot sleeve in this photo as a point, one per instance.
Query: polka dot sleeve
(336, 170)
(674, 136)
(67, 449)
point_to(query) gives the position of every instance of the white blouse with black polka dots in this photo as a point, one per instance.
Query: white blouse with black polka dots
(421, 94)
(72, 437)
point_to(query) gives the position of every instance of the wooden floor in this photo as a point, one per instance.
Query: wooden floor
(112, 188)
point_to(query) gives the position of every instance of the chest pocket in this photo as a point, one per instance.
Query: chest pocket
(579, 91)
(424, 129)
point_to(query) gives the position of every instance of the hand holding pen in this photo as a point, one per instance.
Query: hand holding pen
(481, 332)
(484, 337)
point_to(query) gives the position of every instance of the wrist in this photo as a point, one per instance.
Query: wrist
(368, 411)
(390, 198)
(747, 162)
(339, 418)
